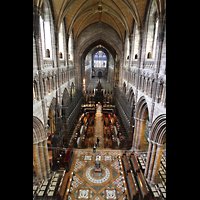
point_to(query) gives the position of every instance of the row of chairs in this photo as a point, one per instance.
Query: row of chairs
(47, 189)
(135, 179)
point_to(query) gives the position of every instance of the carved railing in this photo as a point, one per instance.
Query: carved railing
(149, 64)
(47, 62)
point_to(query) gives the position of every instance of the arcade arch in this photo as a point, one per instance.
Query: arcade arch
(65, 104)
(40, 151)
(156, 139)
(141, 115)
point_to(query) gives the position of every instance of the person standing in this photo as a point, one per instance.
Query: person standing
(98, 141)
(94, 148)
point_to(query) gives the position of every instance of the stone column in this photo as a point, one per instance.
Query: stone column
(148, 158)
(133, 144)
(38, 91)
(158, 91)
(140, 62)
(150, 86)
(46, 157)
(137, 123)
(151, 161)
(139, 82)
(50, 83)
(54, 80)
(138, 133)
(45, 85)
(164, 94)
(144, 84)
(130, 48)
(42, 160)
(147, 86)
(156, 165)
(36, 158)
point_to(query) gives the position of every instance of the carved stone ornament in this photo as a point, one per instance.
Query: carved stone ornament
(83, 194)
(110, 194)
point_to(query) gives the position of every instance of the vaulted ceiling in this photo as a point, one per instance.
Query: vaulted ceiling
(119, 14)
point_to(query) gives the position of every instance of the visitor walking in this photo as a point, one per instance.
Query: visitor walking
(98, 141)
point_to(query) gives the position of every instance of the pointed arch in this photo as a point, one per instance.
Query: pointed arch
(141, 115)
(65, 97)
(65, 103)
(156, 139)
(141, 108)
(124, 88)
(130, 92)
(40, 151)
(152, 29)
(39, 130)
(158, 129)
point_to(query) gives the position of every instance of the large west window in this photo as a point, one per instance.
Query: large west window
(100, 59)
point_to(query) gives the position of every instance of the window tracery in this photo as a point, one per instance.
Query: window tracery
(100, 59)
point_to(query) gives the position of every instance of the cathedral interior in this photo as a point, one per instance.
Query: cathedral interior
(99, 99)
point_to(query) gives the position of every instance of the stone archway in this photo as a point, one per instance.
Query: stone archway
(40, 151)
(156, 139)
(141, 115)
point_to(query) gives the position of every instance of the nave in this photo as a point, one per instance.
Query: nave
(99, 70)
(122, 171)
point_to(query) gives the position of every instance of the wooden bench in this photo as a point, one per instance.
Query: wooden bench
(134, 163)
(142, 185)
(133, 190)
(61, 192)
(68, 186)
(125, 164)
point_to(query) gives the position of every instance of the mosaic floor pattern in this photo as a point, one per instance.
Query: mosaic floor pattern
(99, 177)
(87, 184)
(98, 127)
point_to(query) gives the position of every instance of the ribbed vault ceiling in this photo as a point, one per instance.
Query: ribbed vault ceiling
(119, 14)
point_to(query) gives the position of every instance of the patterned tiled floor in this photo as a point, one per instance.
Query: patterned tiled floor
(98, 127)
(87, 185)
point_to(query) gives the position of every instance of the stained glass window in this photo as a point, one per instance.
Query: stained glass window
(100, 59)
